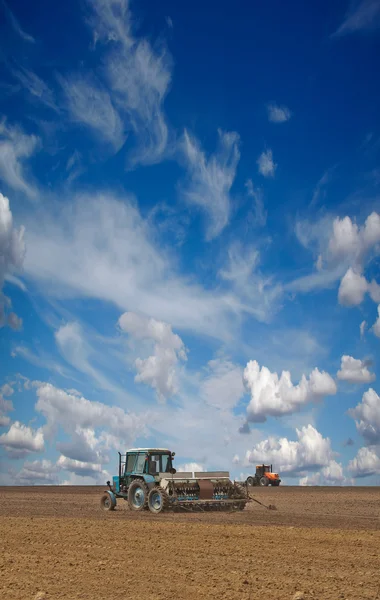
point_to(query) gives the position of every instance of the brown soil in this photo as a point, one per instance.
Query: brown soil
(56, 543)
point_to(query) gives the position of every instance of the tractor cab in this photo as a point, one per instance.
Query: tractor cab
(142, 463)
(261, 470)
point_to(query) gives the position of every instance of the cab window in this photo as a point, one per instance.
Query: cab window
(140, 463)
(131, 459)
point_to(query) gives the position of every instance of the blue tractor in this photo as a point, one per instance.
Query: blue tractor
(147, 480)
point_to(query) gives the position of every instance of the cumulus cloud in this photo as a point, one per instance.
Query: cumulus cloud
(331, 474)
(310, 452)
(15, 146)
(78, 467)
(367, 416)
(376, 325)
(159, 369)
(71, 412)
(210, 179)
(362, 16)
(37, 472)
(5, 405)
(266, 164)
(138, 77)
(365, 463)
(344, 249)
(278, 114)
(276, 396)
(355, 371)
(21, 440)
(190, 467)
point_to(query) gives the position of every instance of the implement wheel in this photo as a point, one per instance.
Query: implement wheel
(157, 500)
(137, 495)
(264, 481)
(106, 502)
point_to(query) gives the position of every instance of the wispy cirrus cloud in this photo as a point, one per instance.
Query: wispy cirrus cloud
(36, 87)
(138, 77)
(15, 148)
(90, 104)
(16, 25)
(210, 179)
(363, 15)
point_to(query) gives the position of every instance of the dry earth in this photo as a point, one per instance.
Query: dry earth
(320, 543)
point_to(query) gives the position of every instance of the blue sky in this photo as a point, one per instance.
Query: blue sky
(190, 238)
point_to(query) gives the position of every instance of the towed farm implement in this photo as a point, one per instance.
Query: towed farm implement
(147, 480)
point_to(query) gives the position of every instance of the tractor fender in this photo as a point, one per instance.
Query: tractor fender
(112, 496)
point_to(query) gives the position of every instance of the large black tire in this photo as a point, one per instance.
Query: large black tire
(106, 502)
(138, 495)
(158, 500)
(250, 481)
(264, 481)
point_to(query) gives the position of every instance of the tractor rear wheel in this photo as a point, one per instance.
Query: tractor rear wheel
(264, 481)
(157, 500)
(138, 495)
(250, 481)
(106, 502)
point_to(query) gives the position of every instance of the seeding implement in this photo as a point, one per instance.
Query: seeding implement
(148, 480)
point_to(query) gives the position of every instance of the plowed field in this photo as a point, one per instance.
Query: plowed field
(320, 543)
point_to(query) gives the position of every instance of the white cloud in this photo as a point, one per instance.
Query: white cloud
(222, 386)
(255, 294)
(78, 467)
(210, 179)
(376, 326)
(37, 472)
(310, 452)
(15, 146)
(72, 412)
(355, 371)
(12, 252)
(363, 15)
(274, 396)
(344, 249)
(85, 446)
(100, 247)
(91, 105)
(160, 369)
(190, 467)
(367, 416)
(5, 405)
(331, 474)
(363, 327)
(266, 164)
(352, 289)
(365, 463)
(138, 78)
(77, 351)
(16, 25)
(20, 440)
(278, 114)
(259, 214)
(36, 87)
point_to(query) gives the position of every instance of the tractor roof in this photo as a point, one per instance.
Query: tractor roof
(148, 450)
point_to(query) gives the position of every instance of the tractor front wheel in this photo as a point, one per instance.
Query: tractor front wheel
(106, 502)
(250, 481)
(138, 495)
(264, 481)
(157, 500)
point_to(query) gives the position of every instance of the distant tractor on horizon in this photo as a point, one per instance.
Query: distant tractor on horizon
(264, 476)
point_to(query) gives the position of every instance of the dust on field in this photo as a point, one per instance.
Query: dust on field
(321, 543)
